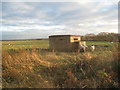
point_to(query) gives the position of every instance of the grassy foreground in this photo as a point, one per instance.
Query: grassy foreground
(45, 69)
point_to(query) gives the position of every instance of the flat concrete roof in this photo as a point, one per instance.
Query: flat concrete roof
(63, 35)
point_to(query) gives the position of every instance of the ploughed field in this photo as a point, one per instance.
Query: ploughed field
(22, 68)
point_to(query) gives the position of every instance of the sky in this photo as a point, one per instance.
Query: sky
(31, 20)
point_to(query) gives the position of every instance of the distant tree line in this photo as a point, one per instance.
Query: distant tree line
(103, 36)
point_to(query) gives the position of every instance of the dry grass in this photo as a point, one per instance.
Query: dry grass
(44, 69)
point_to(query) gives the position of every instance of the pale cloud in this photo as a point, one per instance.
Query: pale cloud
(30, 27)
(51, 18)
(20, 7)
(22, 21)
(82, 1)
(40, 14)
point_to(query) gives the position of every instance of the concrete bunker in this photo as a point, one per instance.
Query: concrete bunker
(64, 42)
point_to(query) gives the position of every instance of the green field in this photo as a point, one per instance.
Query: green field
(23, 44)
